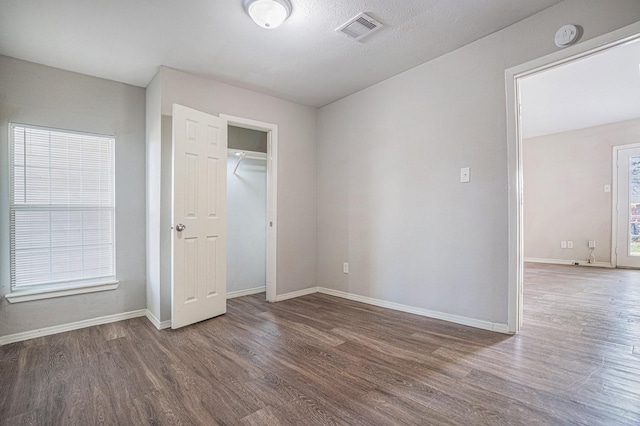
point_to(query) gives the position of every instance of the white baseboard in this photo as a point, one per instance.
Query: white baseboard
(568, 262)
(160, 325)
(485, 325)
(19, 337)
(248, 292)
(293, 294)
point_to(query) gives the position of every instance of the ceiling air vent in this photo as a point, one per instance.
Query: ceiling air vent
(359, 27)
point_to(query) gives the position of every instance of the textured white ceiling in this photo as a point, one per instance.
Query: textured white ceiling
(600, 89)
(304, 60)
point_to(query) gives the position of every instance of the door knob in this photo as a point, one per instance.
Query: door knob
(180, 227)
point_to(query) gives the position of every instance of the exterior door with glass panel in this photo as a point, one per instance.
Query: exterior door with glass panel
(628, 207)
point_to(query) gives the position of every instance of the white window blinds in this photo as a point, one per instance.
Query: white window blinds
(62, 212)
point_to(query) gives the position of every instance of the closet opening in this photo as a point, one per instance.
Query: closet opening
(251, 170)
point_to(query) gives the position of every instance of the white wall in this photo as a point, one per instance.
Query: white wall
(40, 95)
(564, 198)
(153, 161)
(389, 160)
(246, 224)
(297, 173)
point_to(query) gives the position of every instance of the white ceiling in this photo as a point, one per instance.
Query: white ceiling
(304, 60)
(600, 89)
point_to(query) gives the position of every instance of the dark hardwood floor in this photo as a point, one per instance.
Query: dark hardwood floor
(320, 360)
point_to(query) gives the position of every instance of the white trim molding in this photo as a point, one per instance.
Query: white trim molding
(614, 38)
(272, 195)
(294, 294)
(58, 291)
(160, 325)
(247, 292)
(19, 337)
(568, 262)
(614, 200)
(457, 319)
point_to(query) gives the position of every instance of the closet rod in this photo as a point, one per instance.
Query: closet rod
(241, 155)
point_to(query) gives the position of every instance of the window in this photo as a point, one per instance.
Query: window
(62, 212)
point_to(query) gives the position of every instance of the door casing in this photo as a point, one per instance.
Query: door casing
(621, 36)
(272, 194)
(615, 192)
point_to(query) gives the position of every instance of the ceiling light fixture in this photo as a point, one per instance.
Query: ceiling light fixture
(268, 13)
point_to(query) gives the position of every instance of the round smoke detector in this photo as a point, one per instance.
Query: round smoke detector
(567, 35)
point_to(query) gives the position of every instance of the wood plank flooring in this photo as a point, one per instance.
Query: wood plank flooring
(320, 360)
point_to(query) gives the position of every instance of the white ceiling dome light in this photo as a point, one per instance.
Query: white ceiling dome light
(268, 13)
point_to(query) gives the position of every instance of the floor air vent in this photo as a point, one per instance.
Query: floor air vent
(359, 27)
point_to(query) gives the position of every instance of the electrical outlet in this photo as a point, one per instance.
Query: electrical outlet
(570, 244)
(563, 244)
(345, 268)
(592, 244)
(464, 175)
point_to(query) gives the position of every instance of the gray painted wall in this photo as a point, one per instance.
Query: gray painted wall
(564, 198)
(40, 95)
(389, 159)
(297, 174)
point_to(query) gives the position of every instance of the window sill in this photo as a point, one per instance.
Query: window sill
(59, 291)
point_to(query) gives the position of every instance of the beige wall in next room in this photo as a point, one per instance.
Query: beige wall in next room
(564, 198)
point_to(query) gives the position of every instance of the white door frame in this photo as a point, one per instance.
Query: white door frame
(614, 200)
(514, 151)
(272, 193)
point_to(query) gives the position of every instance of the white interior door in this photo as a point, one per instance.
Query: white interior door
(628, 207)
(199, 217)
